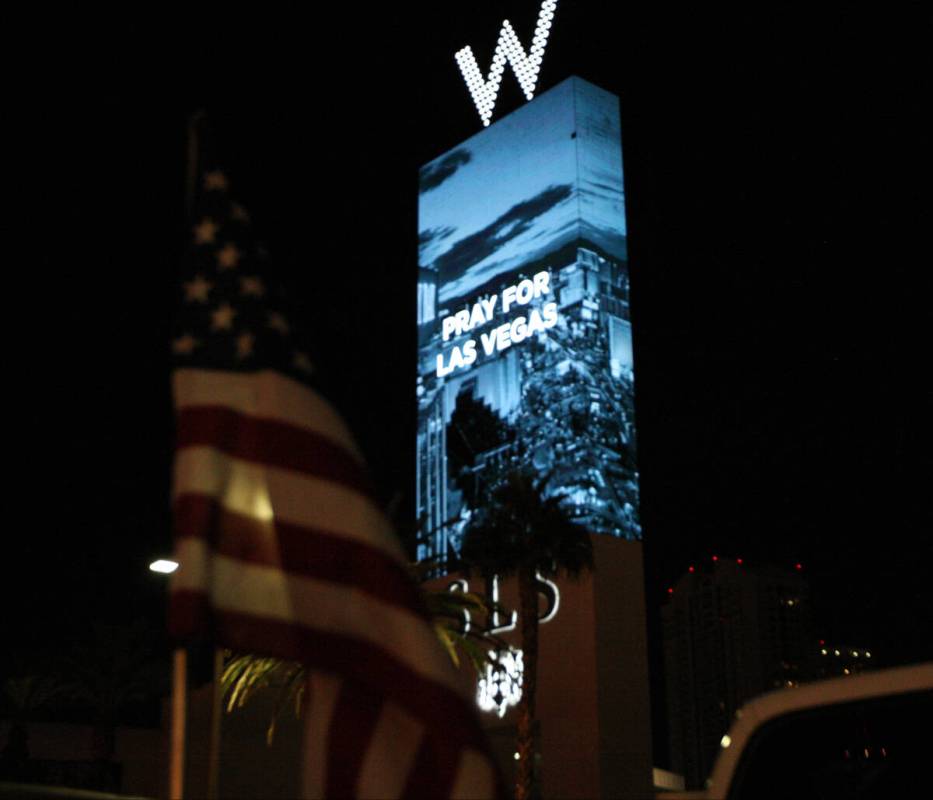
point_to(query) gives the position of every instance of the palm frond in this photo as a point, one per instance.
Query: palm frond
(522, 524)
(245, 675)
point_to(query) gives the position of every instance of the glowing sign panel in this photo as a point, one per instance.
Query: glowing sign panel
(508, 50)
(524, 332)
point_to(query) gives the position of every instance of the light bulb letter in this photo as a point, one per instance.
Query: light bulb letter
(508, 50)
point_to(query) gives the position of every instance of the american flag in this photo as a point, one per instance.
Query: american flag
(282, 549)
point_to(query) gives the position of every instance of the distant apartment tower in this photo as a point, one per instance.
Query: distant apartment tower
(730, 632)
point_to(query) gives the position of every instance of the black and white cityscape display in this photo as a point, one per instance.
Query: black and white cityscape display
(524, 332)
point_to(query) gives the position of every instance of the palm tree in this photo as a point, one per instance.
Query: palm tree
(522, 531)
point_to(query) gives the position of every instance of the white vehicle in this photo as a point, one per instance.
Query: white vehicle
(866, 736)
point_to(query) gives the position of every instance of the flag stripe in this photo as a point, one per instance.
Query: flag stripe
(268, 441)
(344, 654)
(264, 394)
(434, 770)
(254, 490)
(299, 551)
(353, 724)
(321, 692)
(269, 592)
(392, 749)
(475, 778)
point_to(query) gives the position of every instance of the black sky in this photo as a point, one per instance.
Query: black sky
(776, 215)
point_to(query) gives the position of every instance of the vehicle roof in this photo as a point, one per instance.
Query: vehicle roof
(754, 714)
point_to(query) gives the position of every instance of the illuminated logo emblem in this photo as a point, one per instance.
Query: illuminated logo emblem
(501, 686)
(508, 49)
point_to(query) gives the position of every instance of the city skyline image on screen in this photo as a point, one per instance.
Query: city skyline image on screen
(524, 332)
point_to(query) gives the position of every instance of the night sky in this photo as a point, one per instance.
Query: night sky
(777, 252)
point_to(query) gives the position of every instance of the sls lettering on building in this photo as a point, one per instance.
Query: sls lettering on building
(525, 347)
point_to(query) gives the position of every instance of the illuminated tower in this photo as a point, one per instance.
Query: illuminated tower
(523, 301)
(731, 632)
(525, 359)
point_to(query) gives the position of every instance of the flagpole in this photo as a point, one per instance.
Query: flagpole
(192, 173)
(213, 757)
(180, 657)
(176, 779)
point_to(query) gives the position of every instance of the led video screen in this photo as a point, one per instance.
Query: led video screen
(524, 333)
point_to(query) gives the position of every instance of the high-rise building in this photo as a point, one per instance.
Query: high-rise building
(730, 632)
(837, 660)
(525, 362)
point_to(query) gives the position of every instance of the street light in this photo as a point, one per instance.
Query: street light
(164, 565)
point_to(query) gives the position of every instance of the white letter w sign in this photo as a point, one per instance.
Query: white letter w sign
(508, 49)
